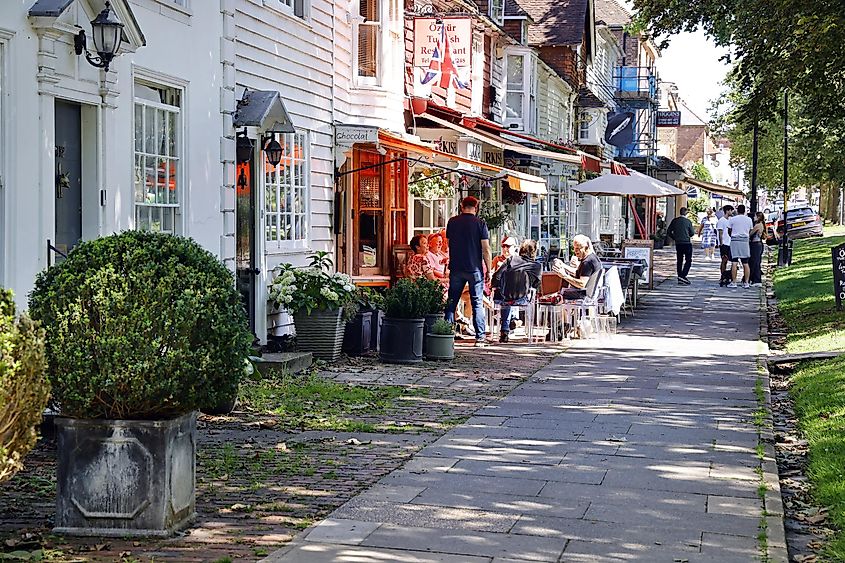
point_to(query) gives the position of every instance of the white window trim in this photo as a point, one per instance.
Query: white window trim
(155, 78)
(529, 96)
(382, 37)
(7, 148)
(278, 247)
(500, 20)
(282, 8)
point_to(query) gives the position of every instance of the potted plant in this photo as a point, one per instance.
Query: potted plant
(405, 306)
(659, 236)
(23, 385)
(142, 330)
(440, 341)
(432, 294)
(321, 303)
(360, 336)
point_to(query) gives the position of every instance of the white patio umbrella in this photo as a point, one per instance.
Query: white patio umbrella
(636, 184)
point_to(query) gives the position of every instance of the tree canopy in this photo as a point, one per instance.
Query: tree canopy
(774, 45)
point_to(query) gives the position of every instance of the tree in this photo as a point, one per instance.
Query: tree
(700, 172)
(775, 45)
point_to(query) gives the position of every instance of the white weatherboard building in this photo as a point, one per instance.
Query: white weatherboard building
(85, 152)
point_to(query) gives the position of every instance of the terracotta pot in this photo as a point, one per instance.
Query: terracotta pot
(419, 105)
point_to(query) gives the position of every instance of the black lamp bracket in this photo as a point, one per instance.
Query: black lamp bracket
(80, 45)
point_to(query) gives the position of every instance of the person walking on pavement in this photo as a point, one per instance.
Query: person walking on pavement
(681, 231)
(469, 263)
(739, 229)
(724, 245)
(707, 232)
(758, 232)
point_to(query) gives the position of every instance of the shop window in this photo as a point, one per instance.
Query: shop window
(431, 215)
(158, 151)
(497, 11)
(368, 41)
(287, 193)
(380, 214)
(553, 215)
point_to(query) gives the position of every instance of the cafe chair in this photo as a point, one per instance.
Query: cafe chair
(530, 312)
(578, 314)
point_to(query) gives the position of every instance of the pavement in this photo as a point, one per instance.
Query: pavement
(639, 447)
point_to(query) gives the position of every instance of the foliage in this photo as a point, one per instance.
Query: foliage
(493, 214)
(775, 45)
(23, 386)
(805, 298)
(430, 184)
(442, 327)
(819, 393)
(696, 206)
(407, 299)
(700, 172)
(370, 299)
(513, 197)
(432, 294)
(140, 325)
(313, 288)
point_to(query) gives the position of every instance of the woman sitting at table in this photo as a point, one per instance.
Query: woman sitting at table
(417, 265)
(437, 259)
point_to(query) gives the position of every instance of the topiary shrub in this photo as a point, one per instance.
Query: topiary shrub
(406, 299)
(140, 326)
(23, 385)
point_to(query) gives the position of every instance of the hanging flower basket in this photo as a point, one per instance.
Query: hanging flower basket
(430, 184)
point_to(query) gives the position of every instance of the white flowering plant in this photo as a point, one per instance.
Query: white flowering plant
(313, 288)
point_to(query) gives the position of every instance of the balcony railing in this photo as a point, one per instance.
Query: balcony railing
(635, 82)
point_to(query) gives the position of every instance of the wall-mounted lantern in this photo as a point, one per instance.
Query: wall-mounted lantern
(273, 150)
(243, 147)
(106, 33)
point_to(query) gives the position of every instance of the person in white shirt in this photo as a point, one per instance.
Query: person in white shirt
(724, 239)
(739, 229)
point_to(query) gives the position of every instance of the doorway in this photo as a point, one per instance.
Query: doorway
(68, 179)
(246, 269)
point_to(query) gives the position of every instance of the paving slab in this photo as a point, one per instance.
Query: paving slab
(638, 447)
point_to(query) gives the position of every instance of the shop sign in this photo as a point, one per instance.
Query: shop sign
(348, 135)
(494, 157)
(470, 149)
(839, 275)
(668, 119)
(443, 51)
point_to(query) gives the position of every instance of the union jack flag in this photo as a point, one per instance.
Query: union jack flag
(441, 64)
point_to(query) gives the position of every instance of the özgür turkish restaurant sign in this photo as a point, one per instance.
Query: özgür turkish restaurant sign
(442, 50)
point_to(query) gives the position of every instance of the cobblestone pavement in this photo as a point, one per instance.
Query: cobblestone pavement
(650, 446)
(259, 482)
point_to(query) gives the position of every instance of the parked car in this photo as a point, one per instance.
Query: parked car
(803, 222)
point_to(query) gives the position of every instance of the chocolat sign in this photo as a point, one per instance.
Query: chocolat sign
(839, 274)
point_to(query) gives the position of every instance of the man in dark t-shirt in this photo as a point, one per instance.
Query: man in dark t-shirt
(469, 254)
(582, 282)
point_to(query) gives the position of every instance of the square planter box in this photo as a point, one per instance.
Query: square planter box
(125, 477)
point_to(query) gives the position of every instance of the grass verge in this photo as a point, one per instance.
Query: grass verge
(805, 298)
(807, 305)
(818, 389)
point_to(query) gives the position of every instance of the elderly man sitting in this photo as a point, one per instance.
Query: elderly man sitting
(581, 280)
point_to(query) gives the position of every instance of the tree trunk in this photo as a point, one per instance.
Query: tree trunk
(829, 201)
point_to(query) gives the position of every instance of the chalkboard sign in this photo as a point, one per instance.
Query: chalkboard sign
(839, 274)
(643, 249)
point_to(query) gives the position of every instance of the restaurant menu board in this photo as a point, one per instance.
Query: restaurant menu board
(643, 249)
(839, 274)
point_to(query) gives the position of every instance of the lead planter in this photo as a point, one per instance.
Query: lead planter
(440, 346)
(320, 332)
(357, 334)
(125, 477)
(401, 341)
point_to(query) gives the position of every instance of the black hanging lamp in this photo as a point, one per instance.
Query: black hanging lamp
(106, 33)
